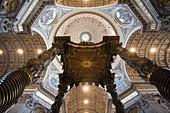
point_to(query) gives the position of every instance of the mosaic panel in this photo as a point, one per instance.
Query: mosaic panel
(124, 16)
(47, 17)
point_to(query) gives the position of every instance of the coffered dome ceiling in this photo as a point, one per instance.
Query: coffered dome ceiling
(86, 27)
(90, 100)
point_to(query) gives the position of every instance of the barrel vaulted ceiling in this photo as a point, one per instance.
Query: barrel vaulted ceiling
(143, 43)
(10, 59)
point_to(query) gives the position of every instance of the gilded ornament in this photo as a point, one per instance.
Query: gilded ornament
(7, 6)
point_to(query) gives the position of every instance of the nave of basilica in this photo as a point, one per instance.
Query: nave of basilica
(85, 56)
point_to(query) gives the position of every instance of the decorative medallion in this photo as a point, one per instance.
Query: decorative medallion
(8, 6)
(48, 17)
(124, 16)
(54, 80)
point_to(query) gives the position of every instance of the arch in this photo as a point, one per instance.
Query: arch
(84, 10)
(95, 12)
(35, 29)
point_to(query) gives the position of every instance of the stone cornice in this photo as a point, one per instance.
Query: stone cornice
(146, 25)
(34, 14)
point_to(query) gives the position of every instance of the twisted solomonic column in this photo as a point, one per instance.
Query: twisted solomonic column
(149, 71)
(111, 88)
(13, 83)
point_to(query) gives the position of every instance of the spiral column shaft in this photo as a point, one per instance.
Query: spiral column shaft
(149, 71)
(13, 83)
(161, 79)
(11, 87)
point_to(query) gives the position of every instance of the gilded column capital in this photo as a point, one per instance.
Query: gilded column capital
(29, 74)
(150, 73)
